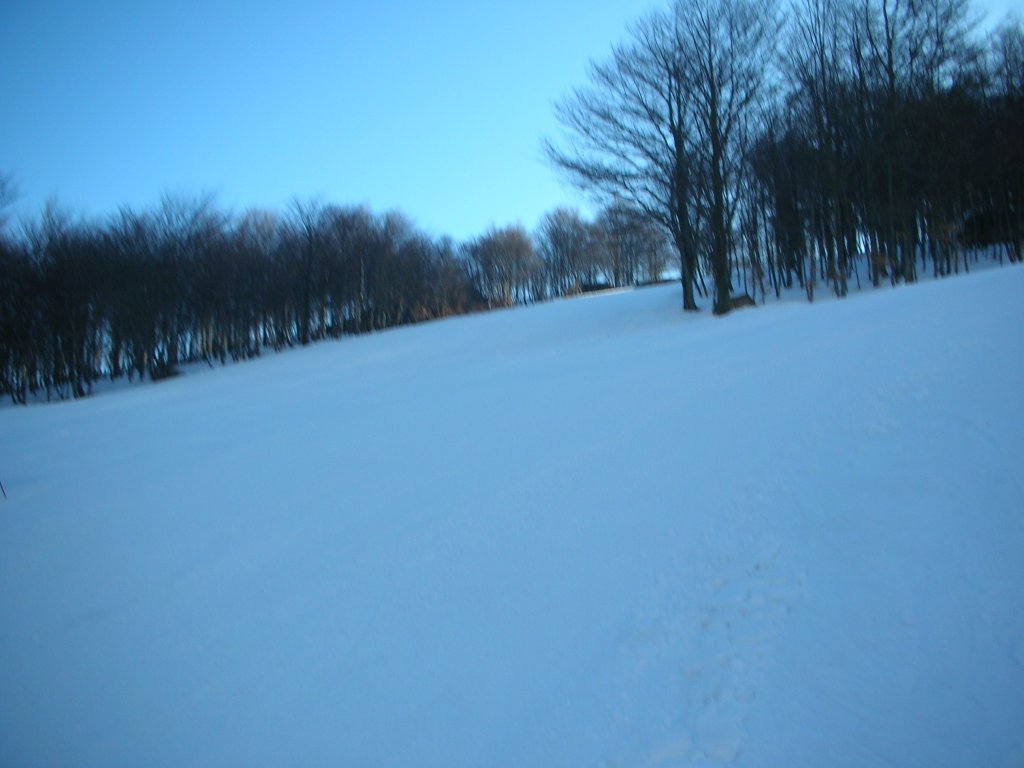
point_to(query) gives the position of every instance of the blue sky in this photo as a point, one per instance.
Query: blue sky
(436, 109)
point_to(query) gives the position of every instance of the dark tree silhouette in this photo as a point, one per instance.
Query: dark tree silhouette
(659, 127)
(629, 135)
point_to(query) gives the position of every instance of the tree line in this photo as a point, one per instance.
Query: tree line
(806, 143)
(746, 147)
(145, 292)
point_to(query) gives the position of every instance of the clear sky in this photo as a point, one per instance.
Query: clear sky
(434, 108)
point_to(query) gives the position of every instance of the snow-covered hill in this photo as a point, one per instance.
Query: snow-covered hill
(592, 533)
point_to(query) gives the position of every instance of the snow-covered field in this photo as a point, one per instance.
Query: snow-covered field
(592, 533)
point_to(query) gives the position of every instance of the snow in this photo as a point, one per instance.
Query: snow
(597, 532)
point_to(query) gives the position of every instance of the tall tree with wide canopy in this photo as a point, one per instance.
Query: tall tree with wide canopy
(659, 125)
(629, 136)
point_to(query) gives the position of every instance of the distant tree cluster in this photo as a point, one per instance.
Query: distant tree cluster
(772, 147)
(567, 255)
(145, 292)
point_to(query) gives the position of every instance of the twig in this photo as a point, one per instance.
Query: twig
(2, 489)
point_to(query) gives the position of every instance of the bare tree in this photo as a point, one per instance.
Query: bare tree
(629, 135)
(729, 47)
(659, 125)
(505, 266)
(632, 247)
(816, 63)
(564, 241)
(1007, 176)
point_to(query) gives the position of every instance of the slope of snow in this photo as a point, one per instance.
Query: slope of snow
(591, 533)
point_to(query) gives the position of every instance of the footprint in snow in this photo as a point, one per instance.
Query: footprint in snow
(722, 644)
